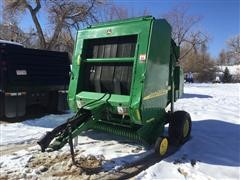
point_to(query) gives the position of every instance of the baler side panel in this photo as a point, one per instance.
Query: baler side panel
(157, 74)
(74, 80)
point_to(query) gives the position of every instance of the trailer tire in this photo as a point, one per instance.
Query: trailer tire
(180, 126)
(161, 146)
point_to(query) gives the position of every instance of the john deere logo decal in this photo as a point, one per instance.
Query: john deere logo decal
(109, 31)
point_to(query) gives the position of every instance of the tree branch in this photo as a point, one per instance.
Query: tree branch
(33, 13)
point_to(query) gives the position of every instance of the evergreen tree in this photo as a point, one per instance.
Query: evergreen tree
(227, 77)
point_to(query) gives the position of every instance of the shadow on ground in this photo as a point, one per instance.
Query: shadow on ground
(213, 142)
(49, 121)
(188, 95)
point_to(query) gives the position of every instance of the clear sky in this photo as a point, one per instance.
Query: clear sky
(220, 18)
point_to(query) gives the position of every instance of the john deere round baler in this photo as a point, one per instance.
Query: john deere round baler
(125, 73)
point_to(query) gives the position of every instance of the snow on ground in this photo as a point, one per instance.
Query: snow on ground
(29, 130)
(211, 153)
(112, 151)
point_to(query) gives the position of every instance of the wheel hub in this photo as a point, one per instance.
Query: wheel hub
(163, 146)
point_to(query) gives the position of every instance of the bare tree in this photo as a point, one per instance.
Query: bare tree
(199, 62)
(189, 62)
(64, 15)
(12, 32)
(20, 6)
(233, 44)
(117, 12)
(183, 29)
(111, 11)
(222, 58)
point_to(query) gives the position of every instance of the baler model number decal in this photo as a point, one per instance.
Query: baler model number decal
(109, 31)
(156, 94)
(21, 72)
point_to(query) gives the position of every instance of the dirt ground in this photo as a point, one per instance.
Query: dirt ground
(59, 165)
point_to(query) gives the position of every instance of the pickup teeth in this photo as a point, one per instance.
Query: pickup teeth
(119, 131)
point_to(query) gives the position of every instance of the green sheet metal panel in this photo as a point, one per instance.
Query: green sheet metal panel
(156, 84)
(151, 76)
(140, 27)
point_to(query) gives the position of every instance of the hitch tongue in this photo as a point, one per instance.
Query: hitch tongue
(46, 139)
(62, 132)
(44, 142)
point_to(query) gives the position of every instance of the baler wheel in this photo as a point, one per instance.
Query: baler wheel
(161, 146)
(179, 127)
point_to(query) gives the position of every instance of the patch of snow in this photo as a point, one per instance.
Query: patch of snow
(116, 150)
(14, 162)
(215, 141)
(213, 152)
(30, 130)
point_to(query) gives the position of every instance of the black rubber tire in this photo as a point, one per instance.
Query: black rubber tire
(176, 128)
(158, 144)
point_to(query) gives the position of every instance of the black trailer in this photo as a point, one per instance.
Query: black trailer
(32, 77)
